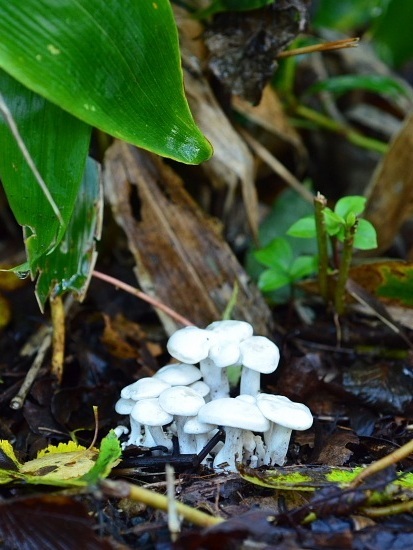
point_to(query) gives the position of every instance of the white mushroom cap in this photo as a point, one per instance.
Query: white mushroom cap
(178, 374)
(200, 387)
(190, 344)
(145, 388)
(181, 401)
(260, 354)
(195, 426)
(152, 417)
(234, 413)
(247, 398)
(237, 416)
(231, 331)
(124, 406)
(150, 413)
(284, 412)
(224, 354)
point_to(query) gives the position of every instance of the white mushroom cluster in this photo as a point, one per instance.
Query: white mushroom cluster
(191, 402)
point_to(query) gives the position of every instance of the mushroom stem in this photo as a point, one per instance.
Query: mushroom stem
(277, 439)
(135, 436)
(250, 382)
(160, 437)
(215, 377)
(187, 444)
(231, 452)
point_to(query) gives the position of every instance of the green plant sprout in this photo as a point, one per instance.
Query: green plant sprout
(283, 268)
(338, 233)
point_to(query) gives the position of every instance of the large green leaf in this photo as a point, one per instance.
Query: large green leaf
(68, 267)
(58, 143)
(114, 65)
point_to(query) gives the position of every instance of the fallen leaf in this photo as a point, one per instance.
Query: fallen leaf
(390, 192)
(46, 522)
(179, 255)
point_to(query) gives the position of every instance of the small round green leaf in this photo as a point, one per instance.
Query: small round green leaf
(277, 253)
(304, 228)
(273, 279)
(334, 223)
(352, 203)
(303, 266)
(366, 236)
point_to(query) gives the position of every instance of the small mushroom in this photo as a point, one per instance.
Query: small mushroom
(182, 402)
(150, 414)
(200, 387)
(190, 344)
(258, 355)
(200, 431)
(178, 374)
(145, 388)
(223, 352)
(125, 406)
(285, 415)
(235, 416)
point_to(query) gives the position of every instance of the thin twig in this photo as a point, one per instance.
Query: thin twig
(276, 165)
(139, 294)
(385, 462)
(8, 117)
(18, 401)
(123, 489)
(348, 132)
(57, 311)
(326, 46)
(174, 524)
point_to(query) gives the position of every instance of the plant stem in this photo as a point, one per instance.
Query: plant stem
(345, 262)
(388, 460)
(58, 322)
(122, 489)
(320, 203)
(389, 510)
(353, 136)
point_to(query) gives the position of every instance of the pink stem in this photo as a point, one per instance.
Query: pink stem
(139, 294)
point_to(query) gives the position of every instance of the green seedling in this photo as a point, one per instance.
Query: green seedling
(341, 226)
(282, 268)
(338, 233)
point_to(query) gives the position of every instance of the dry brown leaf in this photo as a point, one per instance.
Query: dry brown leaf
(232, 163)
(335, 452)
(179, 254)
(270, 115)
(390, 193)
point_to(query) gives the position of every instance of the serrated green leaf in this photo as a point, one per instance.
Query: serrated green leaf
(366, 236)
(68, 267)
(114, 65)
(65, 465)
(109, 453)
(272, 279)
(58, 143)
(304, 228)
(277, 253)
(352, 204)
(379, 84)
